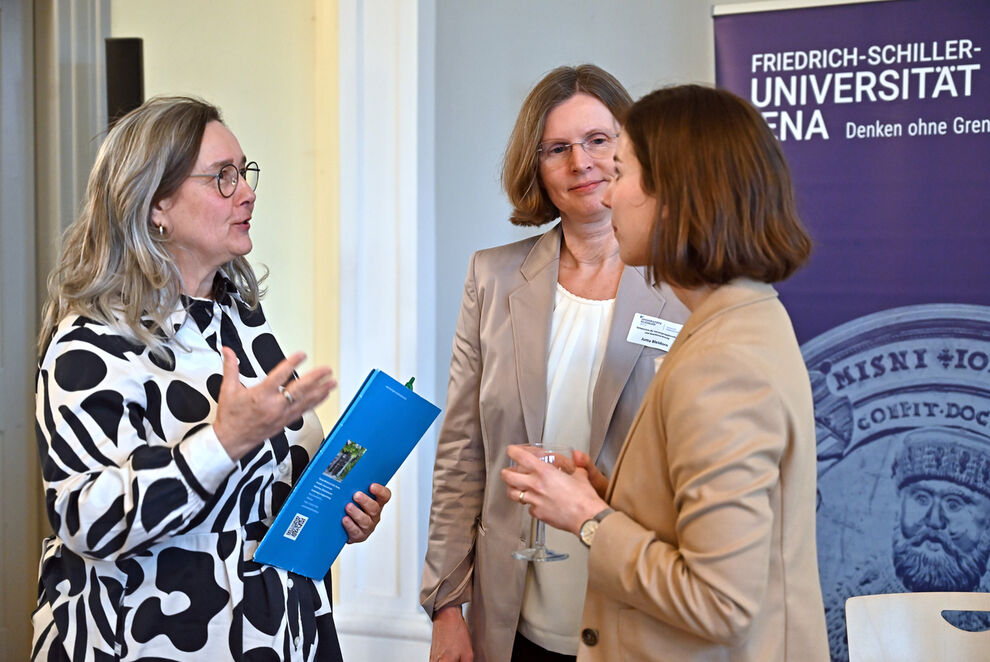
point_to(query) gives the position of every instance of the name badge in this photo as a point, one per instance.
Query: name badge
(653, 332)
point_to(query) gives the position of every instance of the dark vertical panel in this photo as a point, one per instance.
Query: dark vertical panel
(125, 76)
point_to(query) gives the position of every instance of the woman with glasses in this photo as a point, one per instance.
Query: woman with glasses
(709, 553)
(548, 349)
(170, 424)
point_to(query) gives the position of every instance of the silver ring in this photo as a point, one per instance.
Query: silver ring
(522, 497)
(288, 396)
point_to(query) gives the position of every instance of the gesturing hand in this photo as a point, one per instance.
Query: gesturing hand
(248, 416)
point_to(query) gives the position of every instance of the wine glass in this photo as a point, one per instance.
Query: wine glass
(537, 551)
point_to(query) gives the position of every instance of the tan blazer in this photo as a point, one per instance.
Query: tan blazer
(496, 397)
(711, 555)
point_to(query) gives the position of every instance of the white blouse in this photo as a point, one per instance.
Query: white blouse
(554, 595)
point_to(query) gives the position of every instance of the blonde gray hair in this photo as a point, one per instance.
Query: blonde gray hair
(114, 266)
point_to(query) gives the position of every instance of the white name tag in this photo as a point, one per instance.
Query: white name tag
(653, 332)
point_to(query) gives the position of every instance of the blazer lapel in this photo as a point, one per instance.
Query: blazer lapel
(739, 292)
(531, 313)
(634, 295)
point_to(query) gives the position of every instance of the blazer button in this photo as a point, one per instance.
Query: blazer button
(589, 636)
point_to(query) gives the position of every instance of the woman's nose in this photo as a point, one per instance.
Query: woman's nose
(579, 158)
(244, 192)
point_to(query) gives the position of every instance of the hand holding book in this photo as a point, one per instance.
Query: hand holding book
(364, 513)
(377, 431)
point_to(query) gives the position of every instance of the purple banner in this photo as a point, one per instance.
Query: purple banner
(883, 112)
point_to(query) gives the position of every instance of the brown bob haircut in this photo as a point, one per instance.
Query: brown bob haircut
(521, 168)
(724, 189)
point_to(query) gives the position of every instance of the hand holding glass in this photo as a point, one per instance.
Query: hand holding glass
(560, 457)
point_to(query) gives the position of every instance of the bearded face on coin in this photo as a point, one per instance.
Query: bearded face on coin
(942, 540)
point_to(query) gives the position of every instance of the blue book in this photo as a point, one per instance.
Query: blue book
(377, 431)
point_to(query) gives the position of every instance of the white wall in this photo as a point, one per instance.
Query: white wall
(387, 296)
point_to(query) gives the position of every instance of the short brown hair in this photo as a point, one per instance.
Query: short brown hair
(521, 167)
(723, 185)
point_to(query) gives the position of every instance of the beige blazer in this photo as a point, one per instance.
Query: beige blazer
(496, 397)
(711, 555)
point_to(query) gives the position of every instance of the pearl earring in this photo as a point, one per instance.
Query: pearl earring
(161, 231)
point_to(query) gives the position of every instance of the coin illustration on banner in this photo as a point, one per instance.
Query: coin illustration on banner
(902, 418)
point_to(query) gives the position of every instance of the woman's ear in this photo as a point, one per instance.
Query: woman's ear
(159, 213)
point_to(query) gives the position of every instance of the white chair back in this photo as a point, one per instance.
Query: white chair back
(909, 627)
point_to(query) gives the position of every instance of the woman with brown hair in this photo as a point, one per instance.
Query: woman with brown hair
(702, 544)
(540, 354)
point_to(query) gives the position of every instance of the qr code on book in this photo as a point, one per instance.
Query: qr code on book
(295, 528)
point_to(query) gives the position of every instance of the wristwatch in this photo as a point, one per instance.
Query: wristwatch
(587, 531)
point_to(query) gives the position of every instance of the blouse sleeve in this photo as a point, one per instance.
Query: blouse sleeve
(725, 431)
(459, 473)
(113, 485)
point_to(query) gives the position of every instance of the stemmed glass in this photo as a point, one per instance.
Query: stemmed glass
(538, 550)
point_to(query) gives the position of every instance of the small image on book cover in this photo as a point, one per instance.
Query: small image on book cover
(345, 461)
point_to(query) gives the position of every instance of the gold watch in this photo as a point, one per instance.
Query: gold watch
(587, 531)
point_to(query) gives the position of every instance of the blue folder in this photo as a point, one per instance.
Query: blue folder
(377, 431)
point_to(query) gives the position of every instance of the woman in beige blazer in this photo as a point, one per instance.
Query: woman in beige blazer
(702, 545)
(558, 163)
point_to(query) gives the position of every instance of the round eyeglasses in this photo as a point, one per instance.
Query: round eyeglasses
(228, 177)
(596, 145)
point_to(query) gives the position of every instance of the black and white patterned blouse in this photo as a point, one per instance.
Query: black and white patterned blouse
(155, 526)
